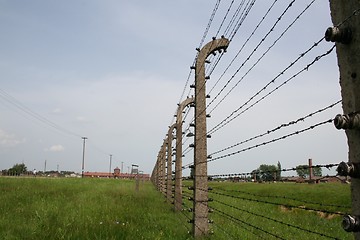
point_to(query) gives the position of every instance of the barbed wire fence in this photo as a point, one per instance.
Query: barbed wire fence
(239, 211)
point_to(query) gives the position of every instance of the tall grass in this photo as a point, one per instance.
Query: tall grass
(38, 208)
(280, 210)
(35, 208)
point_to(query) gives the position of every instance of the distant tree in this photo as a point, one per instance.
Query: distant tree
(192, 173)
(278, 173)
(255, 174)
(304, 171)
(18, 169)
(266, 172)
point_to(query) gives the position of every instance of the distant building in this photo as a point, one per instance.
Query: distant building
(116, 174)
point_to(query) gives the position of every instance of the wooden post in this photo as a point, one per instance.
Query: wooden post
(201, 225)
(178, 157)
(346, 34)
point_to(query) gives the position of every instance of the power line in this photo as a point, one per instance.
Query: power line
(17, 104)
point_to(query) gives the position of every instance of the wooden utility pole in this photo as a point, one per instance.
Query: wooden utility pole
(346, 34)
(83, 157)
(178, 157)
(110, 165)
(200, 210)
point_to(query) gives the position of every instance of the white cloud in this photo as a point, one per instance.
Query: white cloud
(55, 148)
(9, 140)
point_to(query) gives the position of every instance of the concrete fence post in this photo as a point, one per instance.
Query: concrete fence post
(200, 205)
(346, 34)
(163, 168)
(157, 172)
(169, 163)
(178, 157)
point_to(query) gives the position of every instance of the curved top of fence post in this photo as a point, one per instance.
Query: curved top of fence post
(181, 107)
(211, 47)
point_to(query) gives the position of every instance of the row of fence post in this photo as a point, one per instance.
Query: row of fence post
(346, 35)
(162, 174)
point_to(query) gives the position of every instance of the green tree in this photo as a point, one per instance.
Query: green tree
(304, 171)
(278, 173)
(266, 172)
(255, 174)
(192, 173)
(18, 169)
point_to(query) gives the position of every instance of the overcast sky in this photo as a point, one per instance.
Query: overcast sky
(114, 71)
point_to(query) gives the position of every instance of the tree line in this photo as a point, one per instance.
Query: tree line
(21, 169)
(273, 172)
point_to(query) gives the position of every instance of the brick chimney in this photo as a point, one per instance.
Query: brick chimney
(310, 170)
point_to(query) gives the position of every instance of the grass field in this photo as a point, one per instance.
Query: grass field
(281, 210)
(61, 208)
(39, 208)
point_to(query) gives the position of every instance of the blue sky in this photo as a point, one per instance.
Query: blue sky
(114, 71)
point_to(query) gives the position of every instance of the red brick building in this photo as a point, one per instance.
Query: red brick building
(116, 174)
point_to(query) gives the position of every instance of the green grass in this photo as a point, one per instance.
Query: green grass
(35, 208)
(44, 208)
(263, 210)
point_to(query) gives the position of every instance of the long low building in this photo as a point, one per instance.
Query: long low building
(116, 174)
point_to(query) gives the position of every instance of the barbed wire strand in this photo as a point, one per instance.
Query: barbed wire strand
(303, 167)
(248, 224)
(274, 220)
(282, 197)
(252, 53)
(279, 204)
(242, 47)
(284, 125)
(210, 159)
(228, 119)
